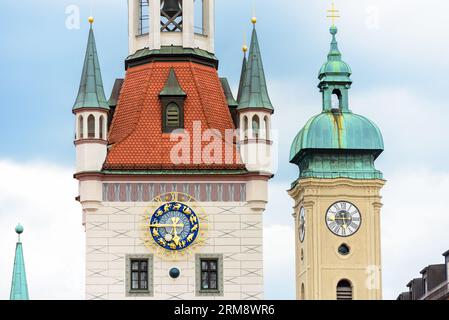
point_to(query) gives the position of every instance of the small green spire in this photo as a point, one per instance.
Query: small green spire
(91, 91)
(19, 287)
(172, 86)
(334, 53)
(242, 77)
(254, 92)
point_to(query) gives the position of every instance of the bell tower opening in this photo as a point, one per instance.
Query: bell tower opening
(144, 17)
(336, 99)
(155, 24)
(171, 16)
(199, 17)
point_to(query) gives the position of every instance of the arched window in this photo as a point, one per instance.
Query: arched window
(256, 127)
(267, 127)
(344, 290)
(172, 120)
(171, 16)
(102, 128)
(245, 127)
(91, 126)
(144, 17)
(336, 99)
(80, 127)
(303, 292)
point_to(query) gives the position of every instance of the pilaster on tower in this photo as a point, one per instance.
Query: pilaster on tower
(183, 23)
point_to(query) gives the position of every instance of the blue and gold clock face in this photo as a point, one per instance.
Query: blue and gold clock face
(174, 226)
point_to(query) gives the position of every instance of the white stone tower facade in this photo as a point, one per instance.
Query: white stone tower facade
(161, 224)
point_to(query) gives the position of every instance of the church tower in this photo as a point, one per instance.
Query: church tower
(337, 195)
(171, 208)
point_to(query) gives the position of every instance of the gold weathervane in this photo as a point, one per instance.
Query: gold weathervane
(333, 13)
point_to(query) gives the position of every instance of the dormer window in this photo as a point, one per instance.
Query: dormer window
(172, 116)
(172, 100)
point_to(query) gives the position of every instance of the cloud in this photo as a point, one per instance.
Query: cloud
(41, 197)
(279, 264)
(414, 225)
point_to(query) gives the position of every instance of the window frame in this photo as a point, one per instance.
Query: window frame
(218, 259)
(130, 292)
(340, 289)
(166, 103)
(143, 23)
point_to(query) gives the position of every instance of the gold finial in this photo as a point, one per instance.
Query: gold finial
(91, 20)
(244, 48)
(333, 13)
(254, 20)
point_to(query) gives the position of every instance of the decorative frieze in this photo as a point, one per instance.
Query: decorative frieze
(202, 192)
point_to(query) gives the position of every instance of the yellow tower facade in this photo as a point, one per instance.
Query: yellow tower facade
(337, 201)
(333, 261)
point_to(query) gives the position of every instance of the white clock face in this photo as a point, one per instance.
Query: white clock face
(302, 224)
(343, 219)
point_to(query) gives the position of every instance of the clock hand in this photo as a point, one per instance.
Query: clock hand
(160, 225)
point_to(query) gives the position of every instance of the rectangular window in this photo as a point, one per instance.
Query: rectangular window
(209, 274)
(139, 275)
(144, 17)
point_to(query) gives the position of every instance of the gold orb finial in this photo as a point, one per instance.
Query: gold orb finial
(254, 20)
(91, 19)
(244, 48)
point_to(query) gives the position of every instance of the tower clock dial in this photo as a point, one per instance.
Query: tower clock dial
(302, 224)
(343, 219)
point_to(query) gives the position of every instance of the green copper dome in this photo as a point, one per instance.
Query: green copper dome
(334, 130)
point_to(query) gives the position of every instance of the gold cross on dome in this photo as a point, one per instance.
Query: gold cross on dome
(333, 13)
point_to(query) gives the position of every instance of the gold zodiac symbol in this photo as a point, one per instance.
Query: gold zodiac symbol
(177, 206)
(190, 237)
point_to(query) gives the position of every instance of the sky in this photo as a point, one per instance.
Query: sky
(399, 54)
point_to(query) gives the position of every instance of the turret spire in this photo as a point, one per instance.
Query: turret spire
(91, 91)
(253, 88)
(19, 287)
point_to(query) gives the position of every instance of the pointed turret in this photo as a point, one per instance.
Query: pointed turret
(19, 287)
(91, 91)
(255, 111)
(254, 92)
(243, 73)
(91, 111)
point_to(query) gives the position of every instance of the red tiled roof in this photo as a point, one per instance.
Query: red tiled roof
(136, 138)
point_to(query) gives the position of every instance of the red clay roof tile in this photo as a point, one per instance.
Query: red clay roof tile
(136, 138)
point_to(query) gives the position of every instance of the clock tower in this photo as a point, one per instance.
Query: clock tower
(172, 203)
(337, 195)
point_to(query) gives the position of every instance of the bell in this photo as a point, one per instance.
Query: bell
(171, 7)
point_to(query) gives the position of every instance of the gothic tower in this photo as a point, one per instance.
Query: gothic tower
(337, 200)
(171, 208)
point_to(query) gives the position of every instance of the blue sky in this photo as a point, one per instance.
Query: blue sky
(399, 62)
